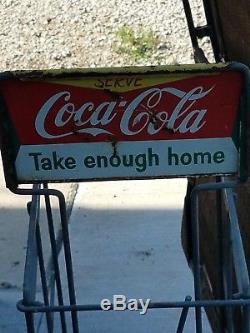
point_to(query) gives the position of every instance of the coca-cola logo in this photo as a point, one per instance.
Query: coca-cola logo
(135, 116)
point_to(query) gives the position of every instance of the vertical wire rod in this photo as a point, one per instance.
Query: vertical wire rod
(183, 316)
(43, 278)
(68, 260)
(195, 237)
(190, 23)
(29, 318)
(221, 256)
(66, 242)
(196, 258)
(55, 259)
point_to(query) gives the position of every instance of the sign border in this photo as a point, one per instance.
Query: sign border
(9, 146)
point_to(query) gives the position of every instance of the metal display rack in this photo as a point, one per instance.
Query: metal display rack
(235, 261)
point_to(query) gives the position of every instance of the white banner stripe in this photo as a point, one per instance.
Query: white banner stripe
(130, 159)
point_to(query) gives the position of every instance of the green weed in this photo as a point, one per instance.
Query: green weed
(136, 46)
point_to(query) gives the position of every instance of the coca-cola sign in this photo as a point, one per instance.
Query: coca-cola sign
(137, 116)
(116, 109)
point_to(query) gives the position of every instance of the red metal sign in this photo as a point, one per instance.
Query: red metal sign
(135, 123)
(202, 106)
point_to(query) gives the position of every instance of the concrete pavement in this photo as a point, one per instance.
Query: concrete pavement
(126, 241)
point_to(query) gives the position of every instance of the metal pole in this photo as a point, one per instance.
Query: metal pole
(221, 254)
(196, 257)
(56, 269)
(183, 316)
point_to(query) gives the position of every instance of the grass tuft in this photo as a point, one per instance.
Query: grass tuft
(136, 46)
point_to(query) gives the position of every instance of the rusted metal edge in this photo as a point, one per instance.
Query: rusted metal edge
(163, 69)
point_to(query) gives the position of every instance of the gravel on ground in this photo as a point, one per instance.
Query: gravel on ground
(83, 33)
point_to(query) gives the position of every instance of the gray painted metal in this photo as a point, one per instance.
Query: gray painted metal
(30, 307)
